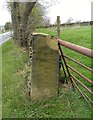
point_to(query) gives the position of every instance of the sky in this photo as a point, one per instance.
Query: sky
(5, 16)
(79, 10)
(76, 9)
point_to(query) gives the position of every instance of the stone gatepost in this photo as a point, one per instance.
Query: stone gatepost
(45, 67)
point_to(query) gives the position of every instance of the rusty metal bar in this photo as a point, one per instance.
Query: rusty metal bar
(79, 63)
(88, 98)
(77, 48)
(87, 89)
(64, 71)
(65, 64)
(83, 94)
(88, 80)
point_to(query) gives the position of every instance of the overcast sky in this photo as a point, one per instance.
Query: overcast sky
(76, 9)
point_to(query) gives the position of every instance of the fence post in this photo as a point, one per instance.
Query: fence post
(58, 30)
(58, 26)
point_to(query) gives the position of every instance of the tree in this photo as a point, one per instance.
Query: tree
(70, 20)
(20, 21)
(36, 17)
(8, 25)
(25, 17)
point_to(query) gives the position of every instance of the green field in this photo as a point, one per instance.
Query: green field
(15, 104)
(77, 35)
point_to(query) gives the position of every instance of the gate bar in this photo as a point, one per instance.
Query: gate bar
(78, 63)
(88, 80)
(88, 98)
(77, 48)
(64, 71)
(65, 64)
(83, 94)
(87, 89)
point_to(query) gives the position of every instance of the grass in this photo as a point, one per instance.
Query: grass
(77, 35)
(0, 81)
(13, 62)
(15, 104)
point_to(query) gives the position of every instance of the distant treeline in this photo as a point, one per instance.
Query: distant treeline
(88, 23)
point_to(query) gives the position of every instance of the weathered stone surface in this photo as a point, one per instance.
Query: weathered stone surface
(45, 68)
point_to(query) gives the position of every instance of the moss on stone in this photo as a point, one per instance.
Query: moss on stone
(45, 68)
